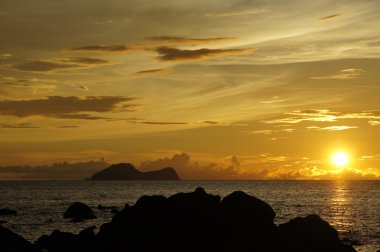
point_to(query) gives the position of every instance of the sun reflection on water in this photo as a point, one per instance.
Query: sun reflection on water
(340, 212)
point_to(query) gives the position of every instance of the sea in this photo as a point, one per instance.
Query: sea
(352, 207)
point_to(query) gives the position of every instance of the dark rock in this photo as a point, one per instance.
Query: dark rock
(78, 211)
(12, 242)
(310, 234)
(3, 221)
(125, 171)
(6, 211)
(248, 220)
(87, 234)
(198, 221)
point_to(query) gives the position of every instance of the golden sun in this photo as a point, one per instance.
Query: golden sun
(340, 159)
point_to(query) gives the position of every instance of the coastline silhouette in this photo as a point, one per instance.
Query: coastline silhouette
(194, 221)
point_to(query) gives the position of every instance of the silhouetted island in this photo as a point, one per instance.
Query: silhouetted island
(190, 222)
(126, 171)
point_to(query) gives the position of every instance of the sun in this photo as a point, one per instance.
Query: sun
(340, 159)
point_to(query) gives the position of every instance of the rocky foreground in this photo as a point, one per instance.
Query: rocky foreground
(183, 222)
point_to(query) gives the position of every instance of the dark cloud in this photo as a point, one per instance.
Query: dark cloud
(185, 40)
(164, 123)
(330, 17)
(172, 54)
(150, 71)
(65, 107)
(210, 122)
(101, 48)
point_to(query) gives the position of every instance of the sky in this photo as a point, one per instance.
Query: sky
(217, 89)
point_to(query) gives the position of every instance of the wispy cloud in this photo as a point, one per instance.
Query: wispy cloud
(330, 17)
(85, 61)
(151, 71)
(235, 13)
(323, 115)
(332, 128)
(57, 64)
(345, 74)
(267, 131)
(72, 107)
(5, 56)
(18, 126)
(164, 123)
(374, 123)
(169, 40)
(101, 48)
(174, 54)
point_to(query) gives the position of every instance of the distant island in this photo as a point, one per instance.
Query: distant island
(126, 171)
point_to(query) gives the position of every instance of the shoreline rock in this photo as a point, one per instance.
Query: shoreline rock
(78, 212)
(198, 221)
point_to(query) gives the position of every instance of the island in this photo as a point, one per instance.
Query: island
(126, 171)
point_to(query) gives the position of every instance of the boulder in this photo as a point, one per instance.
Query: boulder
(12, 242)
(79, 211)
(310, 233)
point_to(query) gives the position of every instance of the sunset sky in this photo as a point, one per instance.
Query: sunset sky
(217, 89)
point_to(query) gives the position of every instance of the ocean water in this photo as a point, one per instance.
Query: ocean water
(352, 207)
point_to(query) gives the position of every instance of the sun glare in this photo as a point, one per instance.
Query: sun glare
(340, 159)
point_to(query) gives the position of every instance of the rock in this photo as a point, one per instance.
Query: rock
(198, 221)
(79, 211)
(12, 242)
(6, 211)
(125, 171)
(248, 220)
(310, 233)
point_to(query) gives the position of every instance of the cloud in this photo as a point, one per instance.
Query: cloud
(192, 170)
(57, 64)
(345, 74)
(71, 107)
(18, 126)
(174, 54)
(67, 127)
(5, 56)
(33, 85)
(85, 61)
(274, 99)
(332, 128)
(323, 115)
(42, 66)
(164, 123)
(151, 71)
(235, 13)
(374, 123)
(210, 122)
(101, 48)
(330, 17)
(168, 40)
(83, 87)
(267, 132)
(61, 170)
